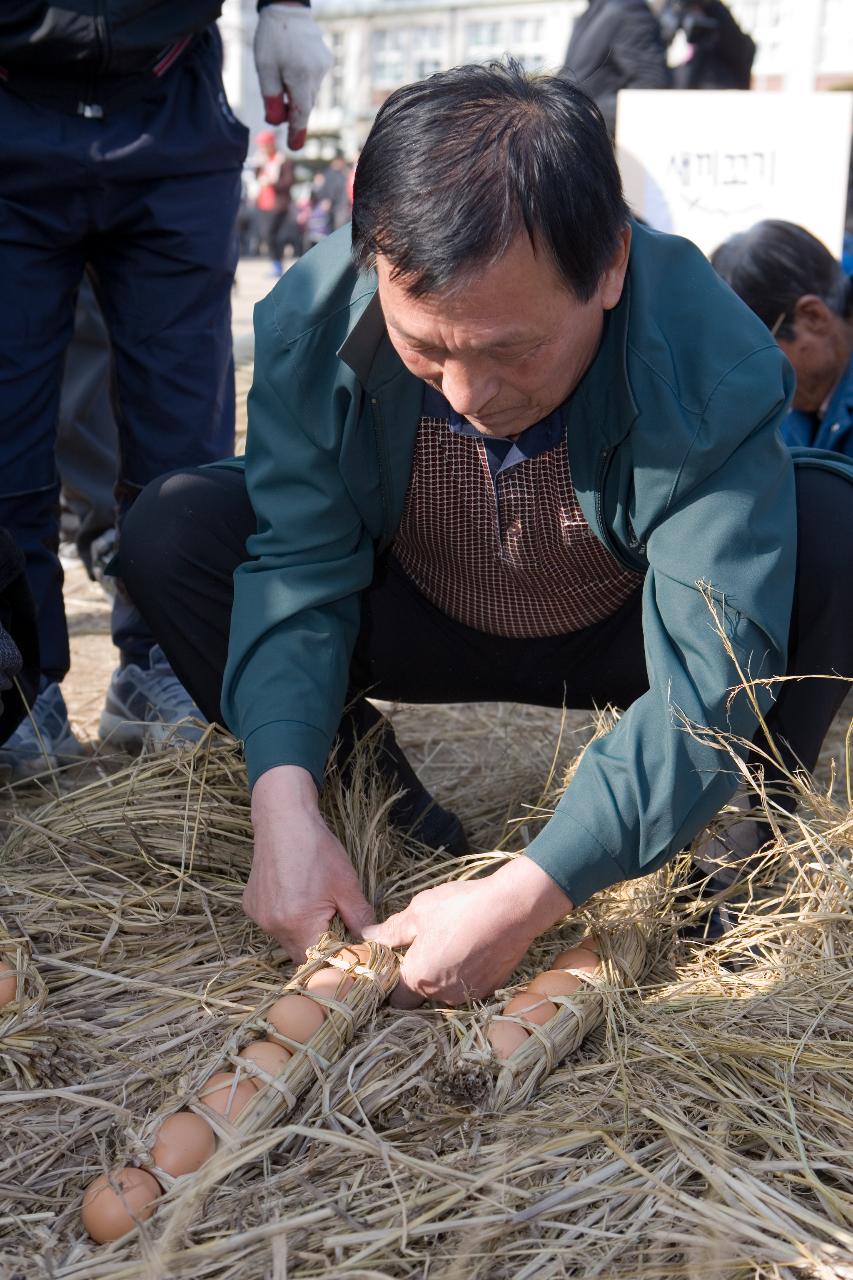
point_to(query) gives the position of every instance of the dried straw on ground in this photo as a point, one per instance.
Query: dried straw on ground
(26, 1045)
(704, 1130)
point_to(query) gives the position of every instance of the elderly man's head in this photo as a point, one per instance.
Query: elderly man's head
(491, 206)
(794, 284)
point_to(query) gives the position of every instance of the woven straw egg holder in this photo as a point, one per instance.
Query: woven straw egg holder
(274, 1102)
(516, 1078)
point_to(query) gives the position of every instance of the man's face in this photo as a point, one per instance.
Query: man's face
(510, 345)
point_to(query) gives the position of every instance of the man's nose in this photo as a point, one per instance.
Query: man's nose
(467, 387)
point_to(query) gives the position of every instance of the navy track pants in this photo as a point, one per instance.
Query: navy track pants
(147, 198)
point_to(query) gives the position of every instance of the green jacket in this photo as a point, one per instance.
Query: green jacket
(679, 468)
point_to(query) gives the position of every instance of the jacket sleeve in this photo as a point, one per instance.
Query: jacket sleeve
(296, 603)
(638, 50)
(648, 787)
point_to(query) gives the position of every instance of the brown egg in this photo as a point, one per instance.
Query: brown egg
(223, 1096)
(329, 982)
(576, 958)
(297, 1017)
(555, 982)
(8, 984)
(269, 1056)
(183, 1143)
(531, 1007)
(115, 1202)
(505, 1037)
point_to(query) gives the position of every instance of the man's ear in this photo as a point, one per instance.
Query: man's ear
(813, 316)
(613, 280)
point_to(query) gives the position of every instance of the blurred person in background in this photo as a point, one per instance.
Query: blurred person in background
(616, 44)
(802, 293)
(337, 187)
(317, 213)
(119, 152)
(719, 55)
(275, 174)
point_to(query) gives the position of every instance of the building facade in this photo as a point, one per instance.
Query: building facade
(381, 44)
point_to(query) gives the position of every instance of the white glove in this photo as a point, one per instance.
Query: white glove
(291, 58)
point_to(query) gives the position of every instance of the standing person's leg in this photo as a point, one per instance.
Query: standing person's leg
(275, 239)
(164, 274)
(87, 438)
(43, 220)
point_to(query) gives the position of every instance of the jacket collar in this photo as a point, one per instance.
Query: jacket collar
(367, 349)
(603, 398)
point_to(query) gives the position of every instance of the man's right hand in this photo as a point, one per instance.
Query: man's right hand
(301, 874)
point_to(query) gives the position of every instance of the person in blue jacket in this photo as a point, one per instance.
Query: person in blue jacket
(794, 284)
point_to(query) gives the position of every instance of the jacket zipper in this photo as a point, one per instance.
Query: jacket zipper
(384, 468)
(606, 455)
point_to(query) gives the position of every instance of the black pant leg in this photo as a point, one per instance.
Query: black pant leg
(821, 636)
(181, 542)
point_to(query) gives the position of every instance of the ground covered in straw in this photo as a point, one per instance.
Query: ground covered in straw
(703, 1130)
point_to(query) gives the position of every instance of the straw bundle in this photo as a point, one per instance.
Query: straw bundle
(702, 1129)
(623, 959)
(310, 1061)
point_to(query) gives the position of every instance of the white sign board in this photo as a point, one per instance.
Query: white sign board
(706, 163)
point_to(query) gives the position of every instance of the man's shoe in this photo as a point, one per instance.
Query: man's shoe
(422, 820)
(718, 917)
(148, 707)
(43, 741)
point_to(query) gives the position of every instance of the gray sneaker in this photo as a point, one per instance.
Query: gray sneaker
(43, 741)
(149, 708)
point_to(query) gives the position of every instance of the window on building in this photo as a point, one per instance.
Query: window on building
(527, 30)
(388, 57)
(333, 85)
(484, 40)
(428, 51)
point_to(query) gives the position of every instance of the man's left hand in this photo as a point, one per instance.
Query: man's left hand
(466, 937)
(292, 59)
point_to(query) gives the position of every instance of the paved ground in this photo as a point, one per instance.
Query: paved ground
(254, 280)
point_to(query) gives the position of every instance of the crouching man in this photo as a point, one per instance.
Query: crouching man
(502, 443)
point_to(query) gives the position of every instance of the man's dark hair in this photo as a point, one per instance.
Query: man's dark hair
(456, 165)
(773, 265)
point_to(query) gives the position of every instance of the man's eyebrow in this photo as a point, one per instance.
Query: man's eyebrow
(514, 340)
